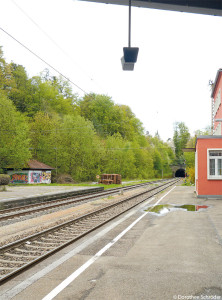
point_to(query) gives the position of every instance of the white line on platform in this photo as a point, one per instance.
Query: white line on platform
(80, 270)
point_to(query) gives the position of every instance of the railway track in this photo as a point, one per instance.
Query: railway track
(19, 255)
(31, 209)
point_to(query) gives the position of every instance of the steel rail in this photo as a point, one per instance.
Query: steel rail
(37, 207)
(67, 225)
(8, 210)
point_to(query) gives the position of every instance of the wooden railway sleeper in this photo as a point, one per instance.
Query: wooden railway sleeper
(93, 224)
(29, 257)
(10, 264)
(2, 261)
(58, 235)
(68, 229)
(37, 244)
(15, 255)
(24, 251)
(78, 230)
(53, 244)
(56, 242)
(67, 237)
(47, 240)
(41, 247)
(11, 261)
(87, 228)
(74, 230)
(61, 239)
(86, 224)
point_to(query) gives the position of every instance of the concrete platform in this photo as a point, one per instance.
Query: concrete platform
(22, 195)
(174, 256)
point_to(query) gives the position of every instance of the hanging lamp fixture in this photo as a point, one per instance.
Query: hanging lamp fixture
(129, 53)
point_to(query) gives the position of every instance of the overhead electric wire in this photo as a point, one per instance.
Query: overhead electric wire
(49, 65)
(37, 25)
(52, 40)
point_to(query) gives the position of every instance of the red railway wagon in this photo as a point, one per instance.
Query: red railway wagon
(110, 179)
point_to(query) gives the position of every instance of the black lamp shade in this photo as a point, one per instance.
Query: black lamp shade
(130, 54)
(129, 58)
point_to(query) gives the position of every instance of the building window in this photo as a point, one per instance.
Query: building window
(214, 164)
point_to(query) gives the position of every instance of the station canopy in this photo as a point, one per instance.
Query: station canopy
(208, 7)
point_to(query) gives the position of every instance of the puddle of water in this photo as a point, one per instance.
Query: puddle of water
(164, 209)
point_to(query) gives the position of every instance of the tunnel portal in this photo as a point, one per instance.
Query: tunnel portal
(180, 173)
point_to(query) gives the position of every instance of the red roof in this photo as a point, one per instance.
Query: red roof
(37, 165)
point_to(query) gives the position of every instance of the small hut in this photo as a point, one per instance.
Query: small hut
(34, 172)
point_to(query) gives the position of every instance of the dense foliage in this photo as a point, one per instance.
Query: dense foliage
(41, 118)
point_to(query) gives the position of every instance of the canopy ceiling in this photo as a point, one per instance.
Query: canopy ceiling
(208, 7)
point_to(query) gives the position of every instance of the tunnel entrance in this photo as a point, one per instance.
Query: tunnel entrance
(180, 173)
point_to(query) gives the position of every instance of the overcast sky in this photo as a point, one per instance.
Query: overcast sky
(178, 54)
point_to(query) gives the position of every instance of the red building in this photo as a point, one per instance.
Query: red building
(208, 161)
(208, 168)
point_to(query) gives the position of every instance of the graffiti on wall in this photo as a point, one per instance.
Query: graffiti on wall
(19, 178)
(46, 177)
(31, 177)
(35, 176)
(40, 177)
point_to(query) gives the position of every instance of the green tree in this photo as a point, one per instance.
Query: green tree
(163, 156)
(6, 76)
(79, 148)
(130, 127)
(190, 156)
(14, 140)
(143, 157)
(109, 118)
(47, 98)
(119, 157)
(43, 133)
(21, 93)
(180, 138)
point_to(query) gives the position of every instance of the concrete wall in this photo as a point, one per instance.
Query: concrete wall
(30, 176)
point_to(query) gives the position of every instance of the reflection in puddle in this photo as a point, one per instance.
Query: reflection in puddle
(164, 209)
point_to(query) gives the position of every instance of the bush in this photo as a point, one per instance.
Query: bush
(4, 179)
(191, 174)
(64, 178)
